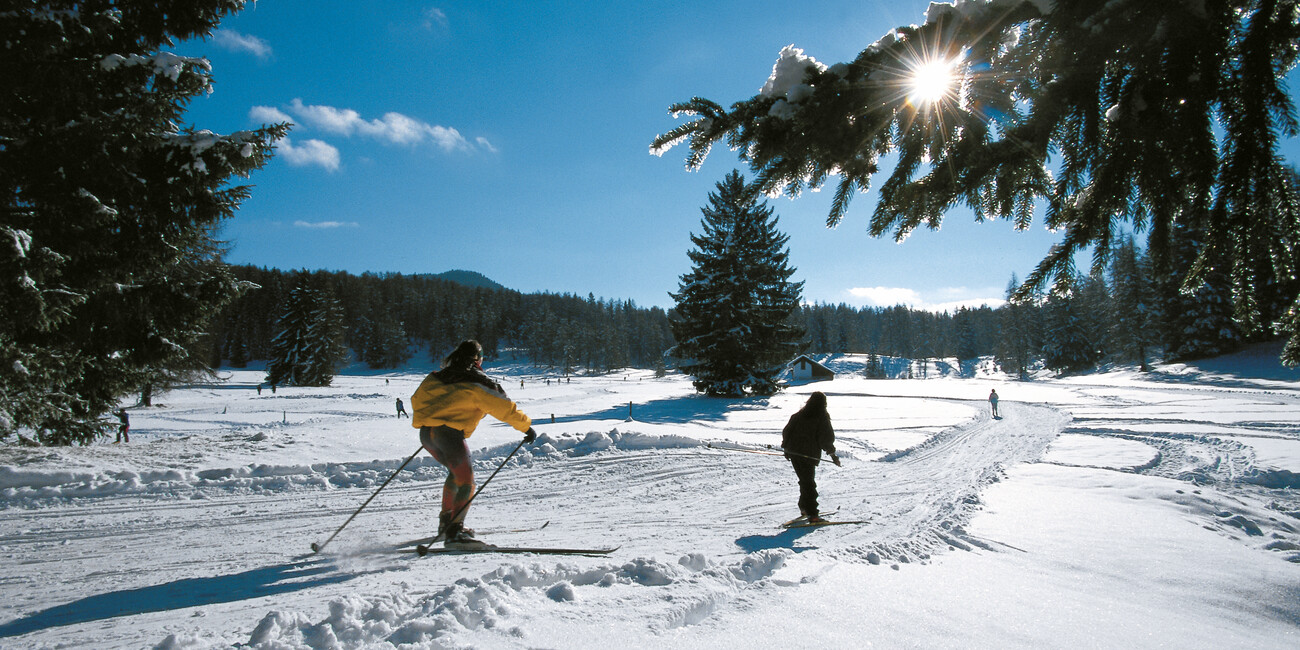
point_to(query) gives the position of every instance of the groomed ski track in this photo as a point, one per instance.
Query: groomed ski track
(694, 523)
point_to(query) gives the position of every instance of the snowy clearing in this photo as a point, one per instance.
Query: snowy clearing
(1109, 510)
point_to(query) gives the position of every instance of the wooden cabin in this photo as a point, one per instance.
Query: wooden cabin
(805, 369)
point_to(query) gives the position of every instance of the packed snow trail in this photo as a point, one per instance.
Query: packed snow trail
(699, 520)
(206, 555)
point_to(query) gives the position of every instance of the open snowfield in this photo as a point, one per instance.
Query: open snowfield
(1111, 510)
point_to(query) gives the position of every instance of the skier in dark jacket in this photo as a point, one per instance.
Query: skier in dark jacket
(123, 429)
(447, 408)
(805, 436)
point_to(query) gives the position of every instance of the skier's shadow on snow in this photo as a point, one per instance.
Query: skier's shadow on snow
(188, 592)
(784, 539)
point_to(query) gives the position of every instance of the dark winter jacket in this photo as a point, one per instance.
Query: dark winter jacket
(808, 433)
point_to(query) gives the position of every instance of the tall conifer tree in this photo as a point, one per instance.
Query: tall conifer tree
(109, 269)
(1132, 311)
(1107, 111)
(309, 348)
(734, 331)
(1068, 345)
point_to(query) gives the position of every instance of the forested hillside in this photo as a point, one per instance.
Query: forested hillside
(387, 317)
(1127, 315)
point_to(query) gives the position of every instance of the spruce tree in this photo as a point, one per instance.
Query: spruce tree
(1106, 111)
(734, 309)
(309, 348)
(1094, 306)
(109, 270)
(1019, 333)
(1068, 344)
(1132, 308)
(875, 368)
(967, 343)
(1198, 319)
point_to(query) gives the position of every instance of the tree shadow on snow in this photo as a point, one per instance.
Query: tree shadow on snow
(674, 410)
(187, 592)
(784, 539)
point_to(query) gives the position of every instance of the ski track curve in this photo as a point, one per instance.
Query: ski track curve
(1226, 491)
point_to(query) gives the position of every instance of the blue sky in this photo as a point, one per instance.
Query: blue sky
(512, 139)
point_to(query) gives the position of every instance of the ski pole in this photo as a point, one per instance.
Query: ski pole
(316, 548)
(798, 454)
(422, 549)
(764, 453)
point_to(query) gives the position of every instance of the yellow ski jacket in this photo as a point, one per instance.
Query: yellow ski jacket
(461, 405)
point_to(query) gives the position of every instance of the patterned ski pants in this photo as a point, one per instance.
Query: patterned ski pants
(447, 446)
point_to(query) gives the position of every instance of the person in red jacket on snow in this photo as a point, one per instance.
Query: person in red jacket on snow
(446, 408)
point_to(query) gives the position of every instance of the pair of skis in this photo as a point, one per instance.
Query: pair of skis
(802, 521)
(425, 546)
(466, 548)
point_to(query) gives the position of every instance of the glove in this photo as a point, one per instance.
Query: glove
(530, 436)
(836, 459)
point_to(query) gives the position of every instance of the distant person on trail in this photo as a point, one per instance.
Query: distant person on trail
(401, 409)
(993, 402)
(448, 406)
(123, 429)
(807, 433)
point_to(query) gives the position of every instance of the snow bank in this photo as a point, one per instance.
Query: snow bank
(497, 607)
(34, 487)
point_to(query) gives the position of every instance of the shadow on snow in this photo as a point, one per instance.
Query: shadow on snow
(672, 410)
(784, 539)
(187, 592)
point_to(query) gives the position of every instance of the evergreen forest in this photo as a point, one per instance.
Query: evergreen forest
(1126, 315)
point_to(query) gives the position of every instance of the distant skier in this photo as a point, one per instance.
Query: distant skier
(993, 402)
(123, 429)
(448, 406)
(807, 433)
(401, 409)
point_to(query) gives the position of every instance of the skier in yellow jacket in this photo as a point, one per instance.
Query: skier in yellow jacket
(446, 408)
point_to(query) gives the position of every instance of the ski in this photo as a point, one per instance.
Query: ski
(478, 547)
(804, 518)
(425, 541)
(807, 524)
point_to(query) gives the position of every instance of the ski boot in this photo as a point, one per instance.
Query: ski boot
(454, 533)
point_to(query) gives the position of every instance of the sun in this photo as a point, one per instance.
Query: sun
(931, 81)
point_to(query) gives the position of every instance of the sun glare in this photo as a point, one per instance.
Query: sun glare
(931, 82)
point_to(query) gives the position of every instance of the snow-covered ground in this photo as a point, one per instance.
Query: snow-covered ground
(1108, 510)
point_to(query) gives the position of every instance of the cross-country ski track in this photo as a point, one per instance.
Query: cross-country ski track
(696, 527)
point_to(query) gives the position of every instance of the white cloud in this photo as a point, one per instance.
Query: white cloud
(268, 115)
(483, 142)
(234, 41)
(886, 296)
(326, 224)
(892, 296)
(434, 16)
(309, 152)
(394, 128)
